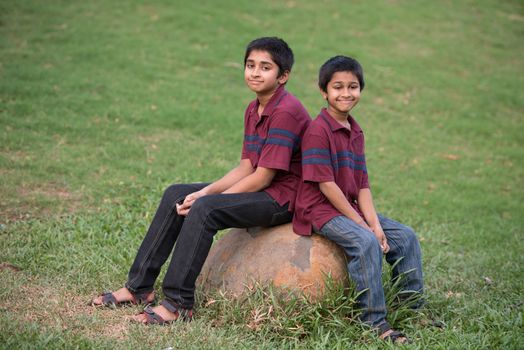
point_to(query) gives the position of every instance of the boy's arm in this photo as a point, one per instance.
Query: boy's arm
(284, 132)
(242, 170)
(365, 203)
(336, 197)
(253, 182)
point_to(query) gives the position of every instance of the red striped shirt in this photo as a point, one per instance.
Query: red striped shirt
(330, 152)
(273, 140)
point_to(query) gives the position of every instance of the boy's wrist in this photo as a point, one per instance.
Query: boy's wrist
(204, 191)
(373, 223)
(363, 223)
(374, 228)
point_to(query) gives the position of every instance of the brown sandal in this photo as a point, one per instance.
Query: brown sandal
(152, 318)
(109, 300)
(394, 336)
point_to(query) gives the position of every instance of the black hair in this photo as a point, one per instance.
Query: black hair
(339, 64)
(277, 48)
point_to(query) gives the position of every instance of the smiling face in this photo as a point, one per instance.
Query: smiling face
(261, 73)
(343, 93)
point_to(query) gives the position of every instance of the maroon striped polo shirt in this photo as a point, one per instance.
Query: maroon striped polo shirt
(330, 152)
(273, 139)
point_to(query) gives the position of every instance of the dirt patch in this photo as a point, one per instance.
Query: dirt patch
(19, 212)
(48, 190)
(39, 200)
(8, 266)
(31, 300)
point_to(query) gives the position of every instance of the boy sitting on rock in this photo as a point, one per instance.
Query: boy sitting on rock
(257, 192)
(335, 200)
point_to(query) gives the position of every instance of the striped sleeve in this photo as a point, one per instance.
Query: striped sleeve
(251, 141)
(317, 164)
(282, 142)
(365, 180)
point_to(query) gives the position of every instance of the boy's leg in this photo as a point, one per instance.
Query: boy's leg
(404, 245)
(364, 265)
(159, 240)
(208, 215)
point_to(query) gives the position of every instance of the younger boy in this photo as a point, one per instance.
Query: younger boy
(258, 192)
(335, 200)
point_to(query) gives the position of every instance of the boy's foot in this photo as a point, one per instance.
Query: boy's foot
(394, 336)
(163, 314)
(122, 297)
(389, 334)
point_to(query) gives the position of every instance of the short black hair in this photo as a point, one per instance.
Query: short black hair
(339, 64)
(278, 49)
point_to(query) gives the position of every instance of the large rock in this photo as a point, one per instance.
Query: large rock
(278, 255)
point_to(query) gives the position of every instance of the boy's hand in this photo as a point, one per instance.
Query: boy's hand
(381, 237)
(364, 225)
(183, 209)
(379, 234)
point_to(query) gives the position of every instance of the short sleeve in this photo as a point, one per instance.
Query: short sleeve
(244, 154)
(250, 146)
(364, 183)
(283, 140)
(316, 157)
(251, 142)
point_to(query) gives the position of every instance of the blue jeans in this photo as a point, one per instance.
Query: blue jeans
(193, 235)
(365, 261)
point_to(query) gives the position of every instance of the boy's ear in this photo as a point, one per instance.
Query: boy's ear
(323, 93)
(283, 78)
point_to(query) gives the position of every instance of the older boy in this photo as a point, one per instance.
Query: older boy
(335, 200)
(258, 192)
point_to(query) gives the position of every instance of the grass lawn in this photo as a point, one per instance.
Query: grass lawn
(105, 103)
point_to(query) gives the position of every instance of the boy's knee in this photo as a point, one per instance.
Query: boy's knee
(369, 245)
(210, 210)
(409, 240)
(175, 192)
(171, 190)
(202, 206)
(410, 236)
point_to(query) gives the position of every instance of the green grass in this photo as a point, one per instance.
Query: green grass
(103, 104)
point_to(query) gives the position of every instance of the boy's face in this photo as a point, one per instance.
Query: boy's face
(261, 73)
(343, 93)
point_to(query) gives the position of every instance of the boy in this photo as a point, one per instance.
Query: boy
(258, 192)
(335, 201)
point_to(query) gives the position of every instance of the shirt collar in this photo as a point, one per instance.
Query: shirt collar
(334, 125)
(273, 101)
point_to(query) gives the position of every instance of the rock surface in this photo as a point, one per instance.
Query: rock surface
(243, 257)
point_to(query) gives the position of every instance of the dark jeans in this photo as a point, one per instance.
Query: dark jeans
(193, 235)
